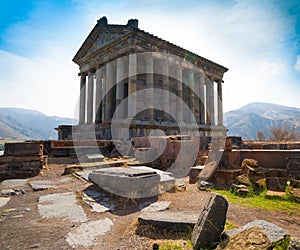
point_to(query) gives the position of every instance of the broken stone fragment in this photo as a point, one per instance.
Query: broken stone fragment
(210, 225)
(276, 183)
(274, 233)
(242, 179)
(203, 185)
(251, 238)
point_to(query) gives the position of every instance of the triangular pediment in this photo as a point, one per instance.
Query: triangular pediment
(98, 38)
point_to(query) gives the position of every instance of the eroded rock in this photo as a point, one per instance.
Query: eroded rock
(210, 225)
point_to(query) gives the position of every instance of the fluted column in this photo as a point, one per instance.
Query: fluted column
(99, 94)
(220, 104)
(179, 106)
(210, 118)
(120, 87)
(150, 85)
(201, 98)
(165, 87)
(191, 90)
(82, 98)
(132, 85)
(109, 97)
(90, 96)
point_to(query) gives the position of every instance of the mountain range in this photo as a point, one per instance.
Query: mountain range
(17, 123)
(260, 117)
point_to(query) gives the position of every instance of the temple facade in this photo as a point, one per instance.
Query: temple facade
(132, 83)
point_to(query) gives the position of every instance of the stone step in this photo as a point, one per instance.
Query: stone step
(93, 166)
(169, 220)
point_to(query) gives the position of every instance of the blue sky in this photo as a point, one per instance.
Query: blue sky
(259, 41)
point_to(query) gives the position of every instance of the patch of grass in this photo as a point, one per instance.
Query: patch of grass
(285, 204)
(283, 244)
(169, 246)
(229, 226)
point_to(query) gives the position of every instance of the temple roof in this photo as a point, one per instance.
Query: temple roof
(104, 35)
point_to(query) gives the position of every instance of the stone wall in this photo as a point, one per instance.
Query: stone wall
(22, 160)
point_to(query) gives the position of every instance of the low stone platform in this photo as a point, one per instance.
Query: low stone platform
(127, 182)
(169, 220)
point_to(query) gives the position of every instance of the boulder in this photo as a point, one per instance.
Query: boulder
(274, 233)
(248, 239)
(210, 224)
(276, 184)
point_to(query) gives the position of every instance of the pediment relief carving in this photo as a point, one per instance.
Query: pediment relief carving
(103, 38)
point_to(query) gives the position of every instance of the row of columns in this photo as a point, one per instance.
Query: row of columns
(103, 107)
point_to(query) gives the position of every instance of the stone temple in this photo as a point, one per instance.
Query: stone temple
(132, 83)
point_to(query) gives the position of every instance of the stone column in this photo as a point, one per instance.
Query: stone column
(82, 97)
(120, 87)
(179, 106)
(165, 87)
(90, 96)
(108, 91)
(210, 102)
(220, 104)
(201, 98)
(191, 89)
(149, 86)
(197, 97)
(132, 85)
(99, 94)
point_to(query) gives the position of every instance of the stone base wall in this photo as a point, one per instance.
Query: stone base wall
(106, 131)
(22, 160)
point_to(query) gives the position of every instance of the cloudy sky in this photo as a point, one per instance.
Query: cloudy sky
(259, 41)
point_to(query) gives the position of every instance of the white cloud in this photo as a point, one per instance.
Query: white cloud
(246, 38)
(43, 85)
(297, 65)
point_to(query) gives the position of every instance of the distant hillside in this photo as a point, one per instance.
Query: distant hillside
(255, 117)
(16, 123)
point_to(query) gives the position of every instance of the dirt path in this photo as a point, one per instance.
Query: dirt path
(23, 227)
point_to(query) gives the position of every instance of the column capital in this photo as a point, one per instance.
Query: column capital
(82, 74)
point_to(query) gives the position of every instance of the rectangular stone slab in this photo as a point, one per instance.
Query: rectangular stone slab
(169, 220)
(127, 182)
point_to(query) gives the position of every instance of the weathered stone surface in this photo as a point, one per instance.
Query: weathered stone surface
(23, 148)
(61, 205)
(46, 184)
(293, 163)
(127, 182)
(41, 185)
(169, 220)
(208, 171)
(294, 244)
(276, 184)
(210, 225)
(248, 239)
(243, 179)
(194, 174)
(295, 192)
(203, 185)
(9, 192)
(295, 183)
(86, 234)
(4, 201)
(156, 206)
(240, 189)
(271, 193)
(96, 207)
(273, 232)
(167, 180)
(14, 183)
